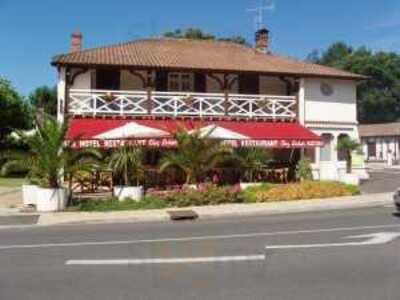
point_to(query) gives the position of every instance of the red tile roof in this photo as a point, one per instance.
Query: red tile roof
(208, 55)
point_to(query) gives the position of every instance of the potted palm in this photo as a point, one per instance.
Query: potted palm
(196, 154)
(251, 161)
(127, 163)
(50, 161)
(348, 146)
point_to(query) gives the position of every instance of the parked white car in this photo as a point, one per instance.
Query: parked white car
(396, 198)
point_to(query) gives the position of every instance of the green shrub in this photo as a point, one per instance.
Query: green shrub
(304, 170)
(305, 190)
(113, 204)
(205, 195)
(250, 194)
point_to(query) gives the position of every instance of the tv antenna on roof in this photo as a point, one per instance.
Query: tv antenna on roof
(259, 12)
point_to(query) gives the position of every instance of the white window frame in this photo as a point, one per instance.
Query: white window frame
(179, 84)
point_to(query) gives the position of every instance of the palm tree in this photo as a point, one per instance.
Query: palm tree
(348, 146)
(127, 162)
(251, 161)
(195, 155)
(49, 158)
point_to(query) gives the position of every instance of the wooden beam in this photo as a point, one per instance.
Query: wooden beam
(140, 76)
(75, 74)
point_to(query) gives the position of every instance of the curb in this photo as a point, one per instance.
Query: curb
(218, 212)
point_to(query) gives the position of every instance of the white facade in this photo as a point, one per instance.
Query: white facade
(330, 110)
(381, 148)
(326, 106)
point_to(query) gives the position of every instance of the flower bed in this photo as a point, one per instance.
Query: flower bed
(213, 195)
(300, 191)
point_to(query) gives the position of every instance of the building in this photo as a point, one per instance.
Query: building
(381, 142)
(139, 91)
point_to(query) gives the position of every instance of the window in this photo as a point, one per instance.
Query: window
(108, 79)
(371, 146)
(309, 153)
(326, 150)
(180, 82)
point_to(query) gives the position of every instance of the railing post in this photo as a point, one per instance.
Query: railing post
(149, 100)
(274, 109)
(251, 103)
(94, 105)
(121, 108)
(226, 101)
(201, 99)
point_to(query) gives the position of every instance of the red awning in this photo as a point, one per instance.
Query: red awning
(111, 133)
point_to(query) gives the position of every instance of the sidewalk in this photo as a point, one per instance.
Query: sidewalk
(222, 211)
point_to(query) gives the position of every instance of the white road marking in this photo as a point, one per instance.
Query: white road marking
(192, 239)
(379, 238)
(155, 261)
(372, 239)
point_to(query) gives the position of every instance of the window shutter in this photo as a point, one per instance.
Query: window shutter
(200, 84)
(249, 84)
(162, 81)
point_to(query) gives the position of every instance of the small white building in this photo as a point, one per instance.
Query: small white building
(253, 96)
(381, 142)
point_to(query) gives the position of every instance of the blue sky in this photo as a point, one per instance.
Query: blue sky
(32, 32)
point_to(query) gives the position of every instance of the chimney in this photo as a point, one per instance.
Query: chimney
(76, 41)
(262, 40)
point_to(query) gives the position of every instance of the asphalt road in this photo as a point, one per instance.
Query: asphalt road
(34, 261)
(382, 181)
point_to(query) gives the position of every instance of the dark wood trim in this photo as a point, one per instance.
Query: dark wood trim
(233, 81)
(140, 76)
(289, 85)
(149, 84)
(221, 71)
(217, 79)
(75, 74)
(66, 90)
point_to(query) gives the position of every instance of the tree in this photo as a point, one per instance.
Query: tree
(379, 95)
(14, 111)
(127, 162)
(48, 158)
(198, 34)
(45, 98)
(348, 146)
(195, 155)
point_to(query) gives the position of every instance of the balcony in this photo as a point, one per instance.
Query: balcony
(177, 104)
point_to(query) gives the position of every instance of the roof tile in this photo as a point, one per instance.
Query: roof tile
(198, 55)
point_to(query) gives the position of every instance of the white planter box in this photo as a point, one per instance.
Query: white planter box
(29, 194)
(50, 200)
(132, 192)
(246, 185)
(352, 179)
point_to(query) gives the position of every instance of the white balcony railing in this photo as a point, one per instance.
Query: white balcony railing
(131, 103)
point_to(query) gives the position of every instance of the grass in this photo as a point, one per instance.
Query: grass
(11, 182)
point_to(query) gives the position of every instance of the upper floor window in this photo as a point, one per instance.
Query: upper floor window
(180, 82)
(108, 79)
